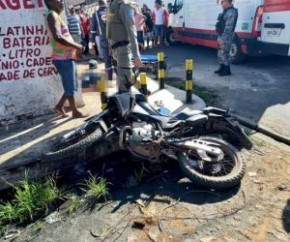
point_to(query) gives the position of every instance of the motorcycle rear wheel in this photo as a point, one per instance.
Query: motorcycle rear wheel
(68, 149)
(218, 175)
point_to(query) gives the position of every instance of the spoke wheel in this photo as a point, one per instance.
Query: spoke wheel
(220, 174)
(72, 148)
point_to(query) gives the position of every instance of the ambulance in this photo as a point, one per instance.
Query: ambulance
(276, 27)
(193, 21)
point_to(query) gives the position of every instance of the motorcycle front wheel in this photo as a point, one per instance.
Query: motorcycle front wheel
(69, 148)
(222, 174)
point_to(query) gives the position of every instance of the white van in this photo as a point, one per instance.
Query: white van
(276, 27)
(193, 21)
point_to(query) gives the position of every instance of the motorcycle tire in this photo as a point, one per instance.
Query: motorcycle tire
(64, 150)
(206, 177)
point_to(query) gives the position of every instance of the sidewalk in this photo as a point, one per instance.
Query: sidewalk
(21, 144)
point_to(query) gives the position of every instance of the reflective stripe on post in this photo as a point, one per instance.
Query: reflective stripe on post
(143, 80)
(189, 80)
(103, 91)
(161, 70)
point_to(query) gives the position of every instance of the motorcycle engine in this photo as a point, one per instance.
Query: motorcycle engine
(141, 141)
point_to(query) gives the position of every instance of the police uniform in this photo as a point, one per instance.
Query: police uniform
(226, 29)
(122, 36)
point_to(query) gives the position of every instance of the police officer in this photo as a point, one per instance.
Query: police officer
(122, 36)
(225, 27)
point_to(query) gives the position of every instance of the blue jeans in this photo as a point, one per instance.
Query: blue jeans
(158, 31)
(68, 73)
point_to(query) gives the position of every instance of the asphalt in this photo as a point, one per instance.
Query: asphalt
(25, 141)
(257, 90)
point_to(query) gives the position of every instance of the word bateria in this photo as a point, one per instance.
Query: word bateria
(20, 4)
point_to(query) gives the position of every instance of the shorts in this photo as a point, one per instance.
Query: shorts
(158, 31)
(140, 37)
(67, 71)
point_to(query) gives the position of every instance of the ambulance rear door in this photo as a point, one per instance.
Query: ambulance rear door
(276, 27)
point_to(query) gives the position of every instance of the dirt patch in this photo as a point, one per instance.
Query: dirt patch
(165, 206)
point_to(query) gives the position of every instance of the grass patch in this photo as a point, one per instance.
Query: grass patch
(96, 187)
(209, 97)
(73, 204)
(31, 199)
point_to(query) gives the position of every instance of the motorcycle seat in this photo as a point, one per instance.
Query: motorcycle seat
(197, 119)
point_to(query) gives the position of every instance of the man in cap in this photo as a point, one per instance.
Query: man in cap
(122, 36)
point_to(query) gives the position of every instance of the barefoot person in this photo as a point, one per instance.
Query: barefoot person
(64, 51)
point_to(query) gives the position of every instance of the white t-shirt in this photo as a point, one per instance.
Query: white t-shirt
(159, 16)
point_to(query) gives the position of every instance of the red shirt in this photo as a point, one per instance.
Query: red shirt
(85, 22)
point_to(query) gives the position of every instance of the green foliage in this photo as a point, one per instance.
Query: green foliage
(30, 199)
(208, 97)
(7, 211)
(73, 204)
(96, 187)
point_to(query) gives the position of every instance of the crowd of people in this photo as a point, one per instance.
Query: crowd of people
(151, 25)
(150, 31)
(120, 30)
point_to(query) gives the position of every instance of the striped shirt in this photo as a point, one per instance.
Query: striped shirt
(74, 25)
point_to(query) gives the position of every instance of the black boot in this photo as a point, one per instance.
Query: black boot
(226, 71)
(220, 70)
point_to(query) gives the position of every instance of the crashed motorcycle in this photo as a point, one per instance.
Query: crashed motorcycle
(190, 138)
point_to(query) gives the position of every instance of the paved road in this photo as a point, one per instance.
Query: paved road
(258, 89)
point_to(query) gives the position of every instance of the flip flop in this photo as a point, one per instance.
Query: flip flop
(59, 112)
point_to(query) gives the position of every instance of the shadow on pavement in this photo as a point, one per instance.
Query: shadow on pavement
(23, 133)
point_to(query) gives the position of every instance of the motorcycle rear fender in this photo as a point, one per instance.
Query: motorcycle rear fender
(227, 124)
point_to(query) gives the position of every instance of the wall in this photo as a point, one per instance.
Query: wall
(29, 83)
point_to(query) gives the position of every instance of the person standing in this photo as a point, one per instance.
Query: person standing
(148, 30)
(74, 25)
(225, 28)
(85, 23)
(99, 27)
(160, 19)
(139, 19)
(122, 37)
(64, 51)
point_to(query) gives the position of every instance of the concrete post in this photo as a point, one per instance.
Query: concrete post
(161, 70)
(103, 91)
(143, 80)
(189, 80)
